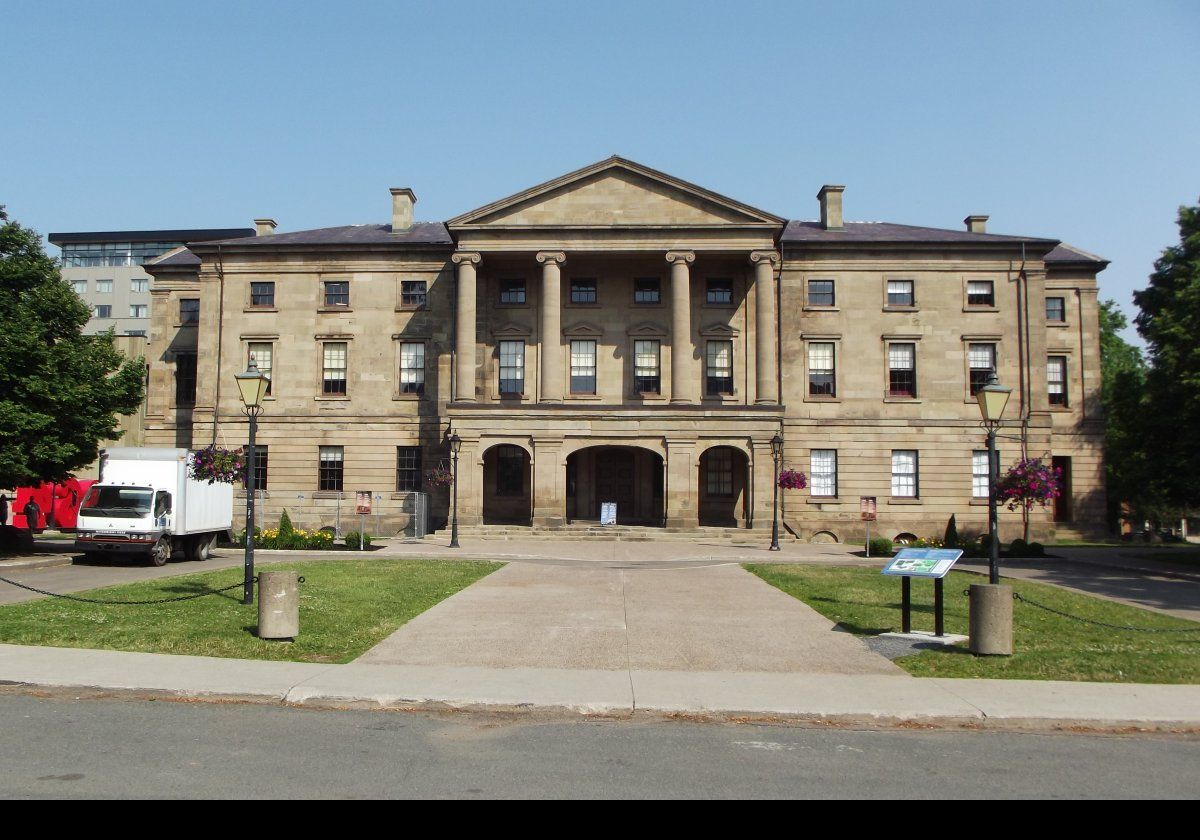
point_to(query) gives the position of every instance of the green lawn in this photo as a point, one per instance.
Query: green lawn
(346, 607)
(1047, 647)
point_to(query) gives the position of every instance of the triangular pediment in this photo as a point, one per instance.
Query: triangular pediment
(647, 330)
(583, 330)
(511, 330)
(719, 331)
(615, 192)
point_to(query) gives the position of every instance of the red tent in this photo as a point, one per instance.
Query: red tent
(59, 503)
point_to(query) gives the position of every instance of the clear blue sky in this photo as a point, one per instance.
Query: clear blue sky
(1070, 120)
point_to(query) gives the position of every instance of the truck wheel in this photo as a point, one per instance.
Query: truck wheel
(161, 553)
(199, 547)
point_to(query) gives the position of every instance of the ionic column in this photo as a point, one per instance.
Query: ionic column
(681, 326)
(551, 348)
(765, 339)
(464, 327)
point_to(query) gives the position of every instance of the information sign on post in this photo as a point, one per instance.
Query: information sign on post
(926, 563)
(362, 506)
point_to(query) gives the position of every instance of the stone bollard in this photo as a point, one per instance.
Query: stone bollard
(991, 619)
(278, 605)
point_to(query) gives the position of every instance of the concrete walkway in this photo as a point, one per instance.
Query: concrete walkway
(627, 616)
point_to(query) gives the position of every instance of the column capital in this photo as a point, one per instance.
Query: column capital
(771, 257)
(687, 257)
(557, 257)
(472, 257)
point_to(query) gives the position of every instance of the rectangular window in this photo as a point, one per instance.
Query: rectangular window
(103, 310)
(982, 361)
(512, 367)
(1056, 310)
(583, 290)
(646, 377)
(189, 311)
(718, 464)
(329, 473)
(904, 474)
(1056, 379)
(337, 292)
(512, 292)
(413, 293)
(263, 294)
(647, 290)
(333, 375)
(718, 291)
(583, 367)
(261, 354)
(900, 293)
(408, 469)
(139, 310)
(80, 287)
(104, 287)
(718, 368)
(821, 293)
(185, 379)
(981, 293)
(412, 367)
(260, 471)
(139, 284)
(823, 470)
(510, 471)
(979, 474)
(902, 370)
(821, 374)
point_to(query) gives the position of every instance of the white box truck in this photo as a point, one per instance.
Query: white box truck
(147, 503)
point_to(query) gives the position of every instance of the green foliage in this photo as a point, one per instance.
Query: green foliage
(60, 390)
(881, 546)
(285, 525)
(951, 538)
(293, 540)
(1170, 323)
(1036, 549)
(353, 538)
(1018, 548)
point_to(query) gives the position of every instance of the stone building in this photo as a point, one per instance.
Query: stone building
(620, 335)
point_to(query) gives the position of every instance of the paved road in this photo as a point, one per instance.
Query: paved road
(66, 748)
(627, 616)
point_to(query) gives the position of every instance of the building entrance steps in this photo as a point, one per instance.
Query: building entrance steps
(625, 615)
(622, 533)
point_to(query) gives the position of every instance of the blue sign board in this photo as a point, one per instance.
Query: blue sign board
(923, 562)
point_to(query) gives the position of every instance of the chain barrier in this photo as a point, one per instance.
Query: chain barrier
(106, 602)
(1024, 600)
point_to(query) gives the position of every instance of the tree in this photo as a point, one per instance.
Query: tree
(1169, 321)
(1123, 376)
(60, 390)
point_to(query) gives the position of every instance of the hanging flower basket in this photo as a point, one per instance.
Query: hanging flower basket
(1029, 482)
(439, 477)
(792, 480)
(218, 466)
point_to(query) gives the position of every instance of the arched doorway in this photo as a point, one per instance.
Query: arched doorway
(507, 486)
(630, 476)
(724, 487)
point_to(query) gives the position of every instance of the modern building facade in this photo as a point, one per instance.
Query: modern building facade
(105, 267)
(620, 335)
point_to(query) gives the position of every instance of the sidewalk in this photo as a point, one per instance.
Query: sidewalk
(847, 700)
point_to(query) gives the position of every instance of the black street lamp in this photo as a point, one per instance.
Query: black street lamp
(993, 397)
(455, 446)
(252, 387)
(777, 455)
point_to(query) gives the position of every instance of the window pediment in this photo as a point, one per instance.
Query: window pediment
(511, 330)
(719, 331)
(583, 330)
(647, 330)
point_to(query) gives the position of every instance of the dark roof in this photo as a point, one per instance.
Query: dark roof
(421, 233)
(179, 257)
(1065, 254)
(885, 232)
(184, 235)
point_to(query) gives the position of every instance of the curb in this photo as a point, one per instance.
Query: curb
(47, 563)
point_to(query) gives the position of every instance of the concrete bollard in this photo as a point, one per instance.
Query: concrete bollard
(278, 605)
(991, 619)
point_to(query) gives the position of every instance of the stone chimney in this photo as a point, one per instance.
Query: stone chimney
(830, 197)
(976, 224)
(264, 227)
(403, 200)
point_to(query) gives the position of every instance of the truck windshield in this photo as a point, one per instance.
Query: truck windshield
(117, 502)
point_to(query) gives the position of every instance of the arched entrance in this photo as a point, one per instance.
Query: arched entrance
(507, 486)
(724, 487)
(630, 476)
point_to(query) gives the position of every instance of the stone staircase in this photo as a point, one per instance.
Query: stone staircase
(612, 533)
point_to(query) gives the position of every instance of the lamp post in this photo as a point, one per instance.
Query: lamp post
(455, 446)
(777, 456)
(252, 387)
(991, 603)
